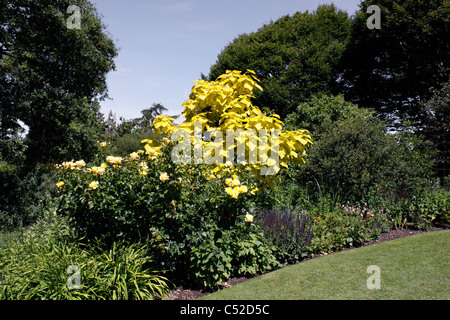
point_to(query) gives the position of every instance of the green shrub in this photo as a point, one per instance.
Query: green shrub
(131, 195)
(428, 206)
(211, 258)
(431, 207)
(320, 112)
(187, 218)
(288, 194)
(40, 265)
(240, 251)
(153, 197)
(352, 157)
(254, 255)
(398, 212)
(344, 226)
(396, 208)
(120, 201)
(129, 142)
(353, 152)
(24, 193)
(8, 199)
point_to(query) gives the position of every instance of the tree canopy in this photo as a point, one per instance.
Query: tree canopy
(394, 69)
(437, 110)
(142, 124)
(52, 76)
(293, 57)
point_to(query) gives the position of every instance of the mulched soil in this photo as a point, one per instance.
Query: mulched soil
(181, 293)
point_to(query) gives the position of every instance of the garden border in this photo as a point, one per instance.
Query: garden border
(181, 293)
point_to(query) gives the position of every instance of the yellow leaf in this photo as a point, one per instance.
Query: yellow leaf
(269, 181)
(251, 145)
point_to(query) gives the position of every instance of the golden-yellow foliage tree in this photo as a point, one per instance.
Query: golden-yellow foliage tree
(225, 128)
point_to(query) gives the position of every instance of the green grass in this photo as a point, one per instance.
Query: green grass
(414, 267)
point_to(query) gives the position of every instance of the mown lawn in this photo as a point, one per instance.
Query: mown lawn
(413, 267)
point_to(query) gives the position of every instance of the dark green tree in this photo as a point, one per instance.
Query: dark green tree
(394, 68)
(52, 77)
(437, 110)
(130, 133)
(143, 123)
(293, 57)
(149, 114)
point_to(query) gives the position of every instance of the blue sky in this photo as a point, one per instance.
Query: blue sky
(166, 44)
